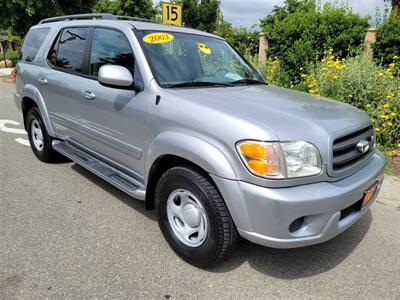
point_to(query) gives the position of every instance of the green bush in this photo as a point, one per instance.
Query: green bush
(271, 70)
(13, 55)
(387, 43)
(359, 81)
(246, 42)
(300, 31)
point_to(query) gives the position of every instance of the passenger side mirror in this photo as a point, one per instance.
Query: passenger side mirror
(118, 77)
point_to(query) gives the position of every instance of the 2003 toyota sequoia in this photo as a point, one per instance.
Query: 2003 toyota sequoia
(179, 119)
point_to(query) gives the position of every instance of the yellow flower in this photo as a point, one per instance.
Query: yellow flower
(392, 65)
(393, 114)
(396, 57)
(386, 105)
(368, 105)
(377, 129)
(390, 124)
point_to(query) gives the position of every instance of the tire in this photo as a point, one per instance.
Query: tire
(42, 148)
(178, 191)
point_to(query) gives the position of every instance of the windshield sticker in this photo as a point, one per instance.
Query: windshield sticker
(204, 48)
(158, 38)
(233, 76)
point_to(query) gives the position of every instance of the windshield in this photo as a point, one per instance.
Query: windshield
(179, 59)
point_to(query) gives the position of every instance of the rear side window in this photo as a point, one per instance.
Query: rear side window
(69, 52)
(33, 40)
(110, 47)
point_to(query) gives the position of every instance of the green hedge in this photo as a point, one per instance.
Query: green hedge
(387, 44)
(299, 32)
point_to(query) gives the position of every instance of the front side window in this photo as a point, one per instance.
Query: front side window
(179, 58)
(69, 52)
(110, 47)
(33, 41)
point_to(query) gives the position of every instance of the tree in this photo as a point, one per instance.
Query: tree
(134, 8)
(19, 16)
(395, 8)
(202, 15)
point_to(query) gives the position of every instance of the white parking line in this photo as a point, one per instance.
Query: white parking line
(4, 128)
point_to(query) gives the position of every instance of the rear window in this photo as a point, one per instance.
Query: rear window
(33, 40)
(68, 52)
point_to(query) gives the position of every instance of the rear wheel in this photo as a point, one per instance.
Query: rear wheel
(41, 142)
(193, 217)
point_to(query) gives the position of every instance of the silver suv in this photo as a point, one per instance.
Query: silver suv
(179, 119)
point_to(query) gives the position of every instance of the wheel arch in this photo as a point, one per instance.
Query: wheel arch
(173, 149)
(31, 97)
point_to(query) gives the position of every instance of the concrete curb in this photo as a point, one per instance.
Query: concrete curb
(5, 71)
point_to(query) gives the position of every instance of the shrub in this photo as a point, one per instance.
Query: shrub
(300, 31)
(246, 42)
(13, 55)
(387, 43)
(360, 82)
(271, 70)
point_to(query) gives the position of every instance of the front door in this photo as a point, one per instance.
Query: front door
(113, 120)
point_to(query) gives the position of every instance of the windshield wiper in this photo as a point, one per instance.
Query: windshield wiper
(199, 83)
(248, 81)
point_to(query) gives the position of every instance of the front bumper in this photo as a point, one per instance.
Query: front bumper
(263, 215)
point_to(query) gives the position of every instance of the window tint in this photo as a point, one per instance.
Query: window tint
(110, 47)
(32, 43)
(71, 49)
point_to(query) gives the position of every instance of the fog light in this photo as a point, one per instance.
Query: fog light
(296, 225)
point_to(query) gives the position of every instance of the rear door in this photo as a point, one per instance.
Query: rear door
(113, 120)
(61, 83)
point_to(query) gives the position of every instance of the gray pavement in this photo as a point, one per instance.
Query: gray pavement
(64, 233)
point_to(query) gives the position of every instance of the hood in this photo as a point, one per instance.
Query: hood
(289, 114)
(277, 113)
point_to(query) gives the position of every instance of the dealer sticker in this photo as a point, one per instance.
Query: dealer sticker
(158, 38)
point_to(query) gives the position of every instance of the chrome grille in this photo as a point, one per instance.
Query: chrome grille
(352, 149)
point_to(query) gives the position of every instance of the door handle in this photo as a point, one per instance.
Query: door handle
(43, 80)
(88, 95)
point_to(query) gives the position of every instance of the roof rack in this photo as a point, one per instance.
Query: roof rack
(103, 16)
(134, 19)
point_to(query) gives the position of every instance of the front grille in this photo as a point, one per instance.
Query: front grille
(345, 150)
(356, 207)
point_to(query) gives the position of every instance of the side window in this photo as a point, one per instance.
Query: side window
(33, 40)
(68, 53)
(110, 47)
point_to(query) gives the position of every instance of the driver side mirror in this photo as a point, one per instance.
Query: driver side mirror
(118, 77)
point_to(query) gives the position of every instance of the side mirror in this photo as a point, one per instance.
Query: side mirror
(118, 77)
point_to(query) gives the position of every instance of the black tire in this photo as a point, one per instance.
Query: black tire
(222, 236)
(46, 153)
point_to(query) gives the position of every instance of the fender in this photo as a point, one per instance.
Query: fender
(196, 150)
(33, 93)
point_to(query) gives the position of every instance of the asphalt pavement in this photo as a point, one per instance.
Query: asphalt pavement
(64, 233)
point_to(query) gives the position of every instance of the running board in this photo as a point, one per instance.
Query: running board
(110, 174)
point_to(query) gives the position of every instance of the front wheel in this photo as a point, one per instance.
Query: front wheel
(193, 217)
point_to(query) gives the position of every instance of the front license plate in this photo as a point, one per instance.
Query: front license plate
(369, 194)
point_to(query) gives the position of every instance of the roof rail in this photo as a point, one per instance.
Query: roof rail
(134, 19)
(103, 16)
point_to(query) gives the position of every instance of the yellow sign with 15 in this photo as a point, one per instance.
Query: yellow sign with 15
(172, 14)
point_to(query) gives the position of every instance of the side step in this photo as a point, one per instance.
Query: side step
(117, 178)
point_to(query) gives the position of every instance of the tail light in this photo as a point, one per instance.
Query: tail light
(14, 74)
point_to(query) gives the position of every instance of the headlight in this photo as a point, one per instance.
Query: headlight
(280, 160)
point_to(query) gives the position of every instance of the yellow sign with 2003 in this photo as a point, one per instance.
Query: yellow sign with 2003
(172, 14)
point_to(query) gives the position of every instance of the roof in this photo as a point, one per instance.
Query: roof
(106, 19)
